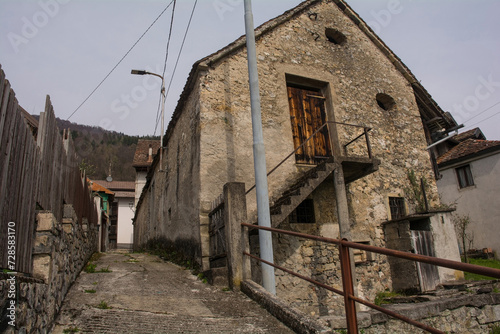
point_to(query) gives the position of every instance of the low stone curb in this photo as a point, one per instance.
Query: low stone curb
(293, 318)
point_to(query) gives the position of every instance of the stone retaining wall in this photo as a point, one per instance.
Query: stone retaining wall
(61, 250)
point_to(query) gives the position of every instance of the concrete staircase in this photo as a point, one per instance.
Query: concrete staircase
(299, 191)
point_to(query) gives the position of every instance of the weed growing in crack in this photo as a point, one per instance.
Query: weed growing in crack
(103, 305)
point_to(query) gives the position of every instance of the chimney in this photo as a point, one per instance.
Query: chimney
(150, 156)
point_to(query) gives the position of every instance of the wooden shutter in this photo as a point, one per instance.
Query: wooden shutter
(307, 114)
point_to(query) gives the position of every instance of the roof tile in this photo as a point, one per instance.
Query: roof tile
(467, 148)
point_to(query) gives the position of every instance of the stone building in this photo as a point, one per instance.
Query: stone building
(360, 123)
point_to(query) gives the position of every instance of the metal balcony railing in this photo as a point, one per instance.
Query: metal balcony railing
(365, 134)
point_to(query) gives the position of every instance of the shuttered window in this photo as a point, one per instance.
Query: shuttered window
(307, 115)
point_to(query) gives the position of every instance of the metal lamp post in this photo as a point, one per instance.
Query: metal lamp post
(142, 72)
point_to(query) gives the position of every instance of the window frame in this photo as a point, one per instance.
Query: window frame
(464, 176)
(304, 213)
(397, 203)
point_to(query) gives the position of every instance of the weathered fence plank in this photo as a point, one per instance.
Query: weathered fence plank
(35, 172)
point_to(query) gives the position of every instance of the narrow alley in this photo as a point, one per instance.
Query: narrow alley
(141, 293)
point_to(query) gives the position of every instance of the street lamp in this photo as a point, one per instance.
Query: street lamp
(142, 72)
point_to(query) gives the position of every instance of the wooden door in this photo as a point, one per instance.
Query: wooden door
(307, 114)
(423, 243)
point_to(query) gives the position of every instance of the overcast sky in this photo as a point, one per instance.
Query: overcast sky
(65, 48)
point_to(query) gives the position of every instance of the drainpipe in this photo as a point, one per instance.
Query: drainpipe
(259, 156)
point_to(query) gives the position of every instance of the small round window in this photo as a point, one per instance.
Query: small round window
(385, 101)
(335, 36)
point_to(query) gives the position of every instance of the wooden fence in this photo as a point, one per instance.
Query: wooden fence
(38, 171)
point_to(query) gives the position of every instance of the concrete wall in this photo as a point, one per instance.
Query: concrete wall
(481, 201)
(61, 250)
(125, 236)
(140, 182)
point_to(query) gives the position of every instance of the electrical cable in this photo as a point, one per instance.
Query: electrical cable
(482, 112)
(126, 54)
(165, 65)
(182, 46)
(470, 126)
(179, 55)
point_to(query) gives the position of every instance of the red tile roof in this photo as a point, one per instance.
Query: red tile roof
(141, 157)
(117, 185)
(468, 149)
(475, 133)
(98, 188)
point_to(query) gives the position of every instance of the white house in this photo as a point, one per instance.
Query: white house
(121, 232)
(471, 182)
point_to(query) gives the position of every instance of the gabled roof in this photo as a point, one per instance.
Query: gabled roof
(430, 110)
(141, 156)
(468, 149)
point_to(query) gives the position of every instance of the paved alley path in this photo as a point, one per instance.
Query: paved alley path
(149, 295)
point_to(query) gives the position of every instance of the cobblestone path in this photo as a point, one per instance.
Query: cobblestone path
(144, 294)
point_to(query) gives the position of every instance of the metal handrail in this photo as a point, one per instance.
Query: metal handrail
(366, 130)
(345, 265)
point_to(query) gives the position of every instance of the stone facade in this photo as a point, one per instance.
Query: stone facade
(61, 250)
(208, 144)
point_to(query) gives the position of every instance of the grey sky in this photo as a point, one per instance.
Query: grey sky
(64, 48)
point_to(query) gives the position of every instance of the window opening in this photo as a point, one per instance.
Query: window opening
(304, 213)
(385, 101)
(335, 36)
(397, 206)
(464, 176)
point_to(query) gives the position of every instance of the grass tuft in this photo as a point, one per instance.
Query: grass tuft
(103, 305)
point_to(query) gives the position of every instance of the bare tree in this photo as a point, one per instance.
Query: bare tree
(466, 237)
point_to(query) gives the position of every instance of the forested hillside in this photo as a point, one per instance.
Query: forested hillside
(100, 150)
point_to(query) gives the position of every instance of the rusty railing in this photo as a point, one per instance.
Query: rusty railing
(365, 134)
(348, 292)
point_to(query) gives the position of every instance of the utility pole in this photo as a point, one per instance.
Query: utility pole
(259, 156)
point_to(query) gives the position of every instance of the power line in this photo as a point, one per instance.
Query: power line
(182, 46)
(126, 54)
(482, 112)
(165, 64)
(179, 55)
(470, 126)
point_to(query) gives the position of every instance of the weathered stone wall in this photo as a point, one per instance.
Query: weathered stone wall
(169, 207)
(209, 144)
(351, 75)
(61, 250)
